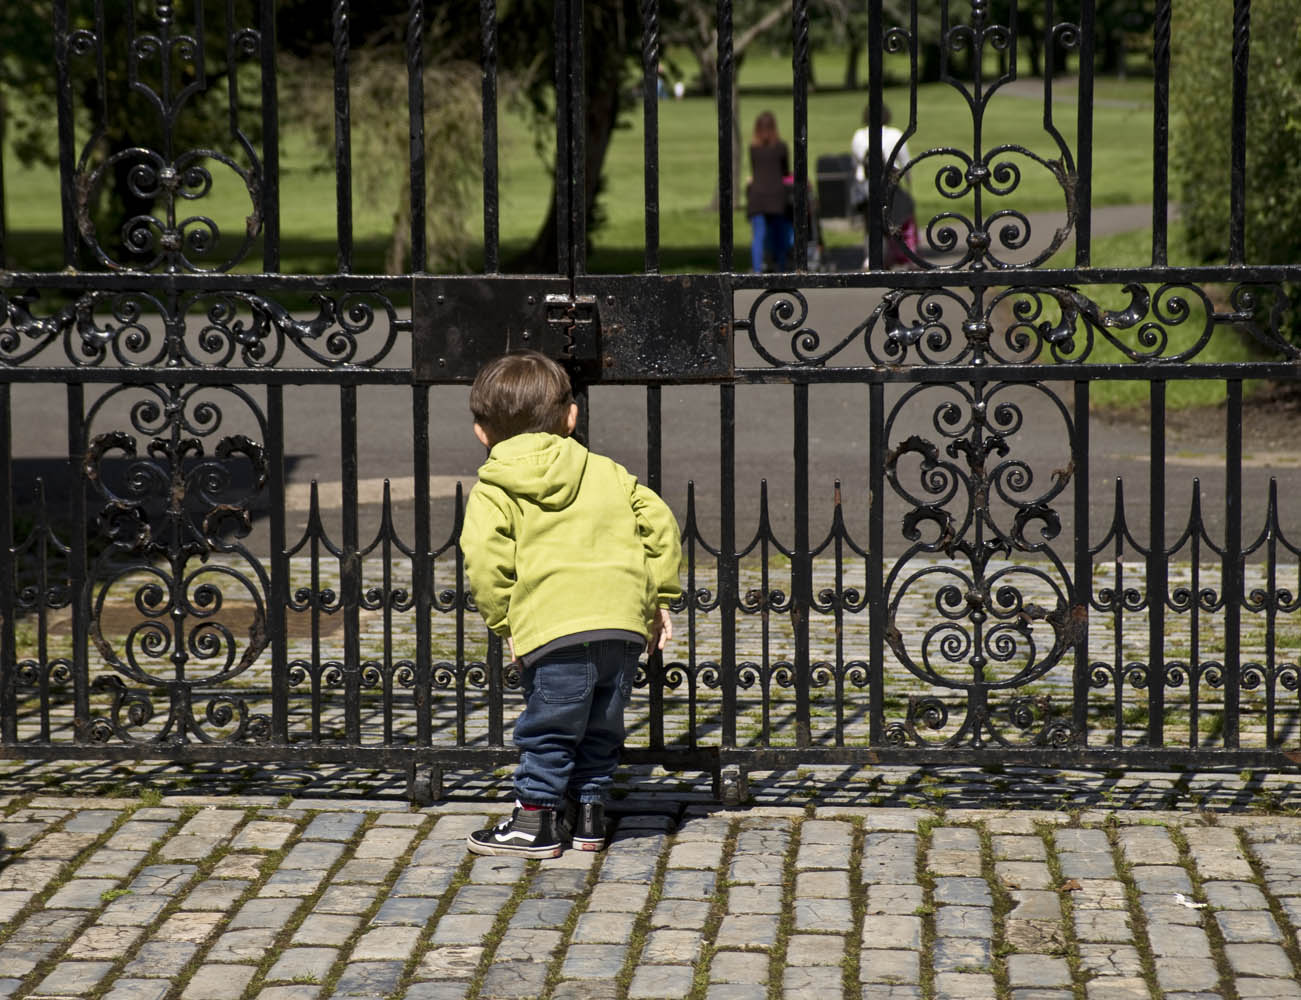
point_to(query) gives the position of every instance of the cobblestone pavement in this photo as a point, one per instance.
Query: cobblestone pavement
(1141, 888)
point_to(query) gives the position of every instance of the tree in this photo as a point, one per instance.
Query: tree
(1202, 120)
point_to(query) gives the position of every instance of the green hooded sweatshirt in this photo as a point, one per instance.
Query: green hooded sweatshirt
(559, 541)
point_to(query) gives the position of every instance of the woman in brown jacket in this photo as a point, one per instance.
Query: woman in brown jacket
(767, 196)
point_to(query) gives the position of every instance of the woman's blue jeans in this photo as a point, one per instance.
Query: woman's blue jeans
(774, 233)
(571, 730)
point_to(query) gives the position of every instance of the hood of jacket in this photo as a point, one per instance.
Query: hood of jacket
(543, 468)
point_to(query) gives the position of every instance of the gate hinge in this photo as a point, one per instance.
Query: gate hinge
(575, 325)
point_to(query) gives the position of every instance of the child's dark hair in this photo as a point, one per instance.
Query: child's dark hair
(521, 393)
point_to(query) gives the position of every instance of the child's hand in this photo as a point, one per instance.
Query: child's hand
(510, 642)
(661, 629)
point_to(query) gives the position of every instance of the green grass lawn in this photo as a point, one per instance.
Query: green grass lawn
(688, 169)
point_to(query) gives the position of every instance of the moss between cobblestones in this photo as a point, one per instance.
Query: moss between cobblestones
(851, 964)
(1079, 976)
(1137, 918)
(717, 911)
(1290, 931)
(1228, 991)
(497, 931)
(1002, 906)
(641, 926)
(566, 929)
(786, 919)
(926, 970)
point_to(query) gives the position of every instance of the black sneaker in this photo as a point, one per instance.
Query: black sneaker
(529, 833)
(589, 830)
(566, 820)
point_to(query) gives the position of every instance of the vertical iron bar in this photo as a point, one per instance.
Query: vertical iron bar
(1157, 568)
(728, 571)
(578, 138)
(270, 140)
(563, 172)
(422, 573)
(1161, 132)
(1084, 132)
(1232, 562)
(655, 480)
(1238, 163)
(800, 60)
(342, 133)
(1271, 614)
(801, 585)
(726, 128)
(78, 585)
(350, 565)
(67, 137)
(491, 203)
(416, 130)
(875, 160)
(650, 84)
(278, 599)
(3, 216)
(1083, 561)
(875, 560)
(8, 601)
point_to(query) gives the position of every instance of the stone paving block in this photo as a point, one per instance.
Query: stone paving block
(1037, 971)
(365, 870)
(754, 899)
(823, 915)
(1267, 989)
(679, 914)
(811, 981)
(1099, 894)
(1023, 874)
(1035, 993)
(541, 913)
(21, 958)
(614, 896)
(312, 964)
(955, 838)
(73, 978)
(106, 863)
(1234, 896)
(952, 863)
(739, 967)
(299, 991)
(897, 899)
(755, 870)
(594, 961)
(890, 931)
(1035, 904)
(1267, 960)
(440, 991)
(450, 962)
(241, 866)
(386, 944)
(11, 903)
(822, 884)
(138, 989)
(746, 930)
(81, 894)
(551, 883)
(687, 884)
(964, 921)
(963, 986)
(889, 966)
(1242, 926)
(510, 980)
(815, 949)
(1009, 847)
(1187, 974)
(962, 891)
(218, 982)
(633, 868)
(242, 946)
(163, 880)
(104, 944)
(161, 959)
(385, 842)
(670, 947)
(264, 913)
(1175, 941)
(340, 826)
(463, 928)
(1082, 839)
(881, 991)
(61, 845)
(660, 982)
(1166, 910)
(1147, 845)
(497, 871)
(1117, 988)
(349, 899)
(530, 945)
(1111, 959)
(29, 876)
(215, 894)
(313, 855)
(961, 954)
(372, 979)
(412, 911)
(1161, 879)
(50, 925)
(604, 928)
(286, 883)
(1082, 866)
(1102, 925)
(188, 927)
(422, 881)
(822, 856)
(1041, 936)
(262, 835)
(188, 848)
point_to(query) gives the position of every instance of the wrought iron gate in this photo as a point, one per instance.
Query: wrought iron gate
(171, 589)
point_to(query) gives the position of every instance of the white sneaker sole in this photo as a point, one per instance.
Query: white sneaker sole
(513, 850)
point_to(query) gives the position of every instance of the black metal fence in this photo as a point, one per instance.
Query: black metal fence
(229, 496)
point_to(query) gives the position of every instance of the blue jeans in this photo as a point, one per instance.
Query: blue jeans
(774, 233)
(571, 729)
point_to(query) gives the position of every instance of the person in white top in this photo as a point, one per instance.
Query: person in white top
(901, 208)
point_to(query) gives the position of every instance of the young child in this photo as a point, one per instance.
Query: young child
(574, 564)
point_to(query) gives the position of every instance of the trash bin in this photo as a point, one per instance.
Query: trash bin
(835, 176)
